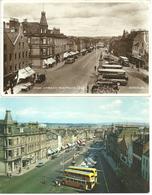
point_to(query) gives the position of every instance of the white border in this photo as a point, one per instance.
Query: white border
(2, 2)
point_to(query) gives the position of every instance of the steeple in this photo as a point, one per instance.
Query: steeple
(8, 118)
(43, 21)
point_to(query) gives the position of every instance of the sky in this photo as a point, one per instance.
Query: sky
(76, 109)
(84, 19)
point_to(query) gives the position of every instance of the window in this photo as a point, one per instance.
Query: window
(19, 45)
(26, 53)
(10, 56)
(17, 140)
(9, 129)
(43, 51)
(23, 44)
(10, 153)
(23, 54)
(19, 55)
(28, 40)
(10, 142)
(15, 55)
(44, 41)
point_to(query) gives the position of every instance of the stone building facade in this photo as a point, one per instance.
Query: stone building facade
(24, 145)
(16, 51)
(43, 42)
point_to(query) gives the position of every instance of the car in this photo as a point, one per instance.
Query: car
(40, 164)
(26, 86)
(124, 61)
(40, 78)
(70, 60)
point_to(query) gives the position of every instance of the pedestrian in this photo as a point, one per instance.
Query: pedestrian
(12, 92)
(116, 88)
(95, 68)
(87, 88)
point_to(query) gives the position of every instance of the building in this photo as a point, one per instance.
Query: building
(21, 145)
(44, 43)
(145, 166)
(140, 49)
(16, 52)
(140, 146)
(126, 150)
(119, 143)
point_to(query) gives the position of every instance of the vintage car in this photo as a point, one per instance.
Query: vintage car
(70, 60)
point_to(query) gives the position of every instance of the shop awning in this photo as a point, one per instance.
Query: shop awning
(51, 61)
(22, 74)
(45, 62)
(65, 55)
(30, 71)
(72, 53)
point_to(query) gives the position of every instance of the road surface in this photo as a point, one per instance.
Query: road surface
(70, 78)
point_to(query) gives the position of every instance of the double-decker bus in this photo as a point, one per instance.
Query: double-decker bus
(86, 169)
(79, 179)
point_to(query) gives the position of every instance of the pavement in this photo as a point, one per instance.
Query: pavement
(17, 88)
(44, 70)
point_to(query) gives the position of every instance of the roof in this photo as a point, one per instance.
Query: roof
(8, 118)
(111, 70)
(13, 36)
(111, 65)
(78, 172)
(43, 20)
(82, 168)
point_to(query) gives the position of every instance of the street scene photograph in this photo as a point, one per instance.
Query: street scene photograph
(74, 145)
(91, 47)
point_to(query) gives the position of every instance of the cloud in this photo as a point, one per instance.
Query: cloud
(115, 104)
(79, 19)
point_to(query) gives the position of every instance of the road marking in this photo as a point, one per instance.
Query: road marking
(107, 188)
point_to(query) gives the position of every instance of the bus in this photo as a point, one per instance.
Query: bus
(79, 179)
(111, 71)
(114, 66)
(114, 75)
(87, 169)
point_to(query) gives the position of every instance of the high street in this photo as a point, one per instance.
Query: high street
(74, 78)
(42, 179)
(70, 78)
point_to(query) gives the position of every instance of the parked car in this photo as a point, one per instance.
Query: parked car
(26, 86)
(40, 164)
(123, 61)
(40, 78)
(70, 60)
